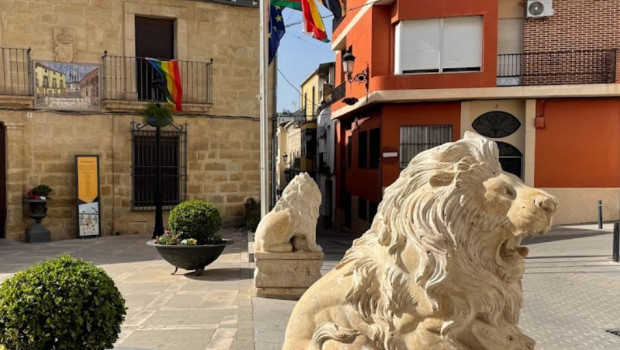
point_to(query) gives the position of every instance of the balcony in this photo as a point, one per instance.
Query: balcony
(15, 72)
(127, 78)
(338, 93)
(557, 68)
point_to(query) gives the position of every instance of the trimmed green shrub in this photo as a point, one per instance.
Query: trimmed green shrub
(60, 304)
(197, 219)
(252, 213)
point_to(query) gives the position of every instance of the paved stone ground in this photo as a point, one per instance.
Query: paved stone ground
(572, 290)
(182, 311)
(571, 287)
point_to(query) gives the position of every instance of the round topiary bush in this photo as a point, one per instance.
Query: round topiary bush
(60, 304)
(197, 219)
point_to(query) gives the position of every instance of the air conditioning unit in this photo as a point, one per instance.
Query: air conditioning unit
(539, 8)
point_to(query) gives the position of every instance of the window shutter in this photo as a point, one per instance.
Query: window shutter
(462, 44)
(509, 35)
(417, 46)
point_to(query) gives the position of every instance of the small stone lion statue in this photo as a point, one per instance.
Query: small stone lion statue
(291, 225)
(441, 265)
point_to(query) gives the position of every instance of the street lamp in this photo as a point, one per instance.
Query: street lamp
(348, 63)
(156, 85)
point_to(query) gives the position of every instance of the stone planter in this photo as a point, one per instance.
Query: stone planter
(190, 257)
(37, 232)
(155, 122)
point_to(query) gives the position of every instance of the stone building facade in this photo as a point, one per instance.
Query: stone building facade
(219, 121)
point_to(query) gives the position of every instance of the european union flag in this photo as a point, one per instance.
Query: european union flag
(276, 30)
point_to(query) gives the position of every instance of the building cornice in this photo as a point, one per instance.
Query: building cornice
(490, 93)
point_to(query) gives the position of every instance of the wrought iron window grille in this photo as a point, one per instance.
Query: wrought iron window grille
(173, 155)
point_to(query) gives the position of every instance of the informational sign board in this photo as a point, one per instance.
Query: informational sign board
(88, 201)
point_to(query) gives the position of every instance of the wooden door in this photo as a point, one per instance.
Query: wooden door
(154, 39)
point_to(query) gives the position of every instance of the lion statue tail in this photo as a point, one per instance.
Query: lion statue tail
(330, 331)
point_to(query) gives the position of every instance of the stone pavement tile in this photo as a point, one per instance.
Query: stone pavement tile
(270, 321)
(222, 339)
(170, 339)
(571, 291)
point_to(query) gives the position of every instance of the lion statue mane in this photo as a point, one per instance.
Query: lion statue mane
(291, 224)
(441, 265)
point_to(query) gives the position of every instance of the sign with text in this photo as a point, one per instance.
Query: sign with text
(88, 201)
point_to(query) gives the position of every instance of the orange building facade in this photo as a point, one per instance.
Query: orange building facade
(436, 69)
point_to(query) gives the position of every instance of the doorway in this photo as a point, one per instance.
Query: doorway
(154, 39)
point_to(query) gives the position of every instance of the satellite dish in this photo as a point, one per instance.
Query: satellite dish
(536, 8)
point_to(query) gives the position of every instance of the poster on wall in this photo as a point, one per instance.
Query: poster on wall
(71, 86)
(88, 201)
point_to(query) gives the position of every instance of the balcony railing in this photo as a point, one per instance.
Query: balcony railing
(338, 93)
(15, 72)
(130, 79)
(557, 67)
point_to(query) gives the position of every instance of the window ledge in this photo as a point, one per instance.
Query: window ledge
(13, 101)
(138, 106)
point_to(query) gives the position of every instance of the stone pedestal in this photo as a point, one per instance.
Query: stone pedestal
(37, 233)
(286, 275)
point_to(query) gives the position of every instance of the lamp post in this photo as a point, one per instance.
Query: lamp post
(156, 85)
(348, 63)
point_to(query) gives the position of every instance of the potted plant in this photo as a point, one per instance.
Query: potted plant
(252, 213)
(157, 115)
(193, 241)
(37, 198)
(64, 303)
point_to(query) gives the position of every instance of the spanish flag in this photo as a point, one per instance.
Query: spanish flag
(313, 23)
(169, 71)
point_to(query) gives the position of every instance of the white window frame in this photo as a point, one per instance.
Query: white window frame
(435, 56)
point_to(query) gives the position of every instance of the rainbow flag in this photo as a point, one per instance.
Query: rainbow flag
(169, 71)
(313, 23)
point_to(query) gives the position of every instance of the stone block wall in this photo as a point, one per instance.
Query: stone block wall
(222, 167)
(222, 137)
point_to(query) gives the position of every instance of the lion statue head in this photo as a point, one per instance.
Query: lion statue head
(301, 199)
(444, 249)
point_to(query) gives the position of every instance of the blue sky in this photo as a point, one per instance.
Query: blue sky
(298, 56)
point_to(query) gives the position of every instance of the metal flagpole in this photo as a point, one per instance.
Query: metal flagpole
(264, 120)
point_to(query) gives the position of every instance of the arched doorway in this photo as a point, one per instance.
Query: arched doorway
(499, 125)
(3, 208)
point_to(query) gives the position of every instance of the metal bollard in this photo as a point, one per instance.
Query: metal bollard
(600, 214)
(616, 247)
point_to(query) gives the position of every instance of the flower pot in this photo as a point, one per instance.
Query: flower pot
(155, 122)
(190, 257)
(37, 232)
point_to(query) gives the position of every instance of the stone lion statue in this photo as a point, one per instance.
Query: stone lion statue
(441, 265)
(291, 225)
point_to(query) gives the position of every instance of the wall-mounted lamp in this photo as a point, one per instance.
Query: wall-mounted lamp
(284, 157)
(348, 63)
